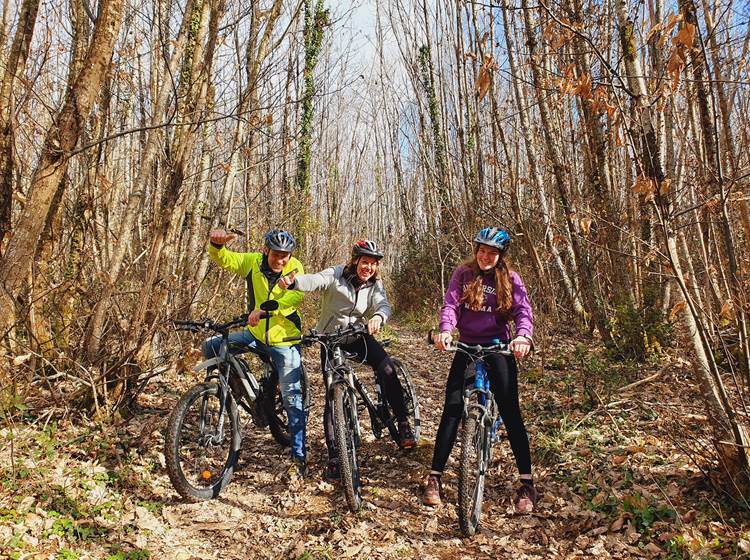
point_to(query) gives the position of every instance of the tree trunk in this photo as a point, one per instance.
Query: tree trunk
(316, 20)
(95, 327)
(60, 141)
(534, 172)
(729, 436)
(19, 52)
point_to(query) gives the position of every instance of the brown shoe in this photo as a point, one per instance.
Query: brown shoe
(433, 491)
(526, 498)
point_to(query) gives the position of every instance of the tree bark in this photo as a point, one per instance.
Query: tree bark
(60, 141)
(95, 327)
(19, 52)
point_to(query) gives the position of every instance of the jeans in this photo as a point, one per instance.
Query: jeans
(287, 361)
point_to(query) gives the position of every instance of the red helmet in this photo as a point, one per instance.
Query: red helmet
(366, 248)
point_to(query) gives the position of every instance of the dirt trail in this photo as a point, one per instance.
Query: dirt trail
(261, 516)
(612, 482)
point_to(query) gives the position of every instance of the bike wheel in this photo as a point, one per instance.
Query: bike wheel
(472, 471)
(273, 406)
(410, 397)
(344, 432)
(202, 442)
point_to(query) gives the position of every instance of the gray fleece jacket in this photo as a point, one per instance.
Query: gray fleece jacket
(343, 302)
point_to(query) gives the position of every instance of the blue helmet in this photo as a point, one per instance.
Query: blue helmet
(280, 240)
(494, 237)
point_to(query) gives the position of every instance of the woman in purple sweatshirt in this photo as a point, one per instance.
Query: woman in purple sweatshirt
(482, 296)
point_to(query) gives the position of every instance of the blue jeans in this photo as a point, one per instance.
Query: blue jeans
(288, 362)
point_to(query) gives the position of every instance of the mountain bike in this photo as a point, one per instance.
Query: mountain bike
(480, 426)
(343, 390)
(204, 436)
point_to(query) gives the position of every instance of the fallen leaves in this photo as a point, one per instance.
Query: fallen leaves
(603, 466)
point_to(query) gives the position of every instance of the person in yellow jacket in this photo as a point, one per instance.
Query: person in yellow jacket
(266, 334)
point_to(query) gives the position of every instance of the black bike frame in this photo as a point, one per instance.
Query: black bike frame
(340, 372)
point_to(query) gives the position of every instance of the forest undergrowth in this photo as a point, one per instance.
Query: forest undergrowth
(616, 448)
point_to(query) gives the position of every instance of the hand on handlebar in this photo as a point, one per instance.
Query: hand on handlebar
(520, 346)
(443, 340)
(254, 318)
(374, 324)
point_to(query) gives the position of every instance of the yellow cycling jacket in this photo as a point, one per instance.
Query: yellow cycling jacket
(284, 323)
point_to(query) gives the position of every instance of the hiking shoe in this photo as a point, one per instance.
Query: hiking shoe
(406, 435)
(433, 491)
(332, 472)
(526, 498)
(298, 469)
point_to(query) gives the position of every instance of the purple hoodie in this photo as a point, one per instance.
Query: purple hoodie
(481, 327)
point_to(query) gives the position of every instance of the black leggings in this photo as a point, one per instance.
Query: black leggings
(372, 352)
(503, 375)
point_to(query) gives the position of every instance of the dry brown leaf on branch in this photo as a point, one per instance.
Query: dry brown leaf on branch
(675, 64)
(601, 102)
(712, 205)
(586, 225)
(583, 87)
(685, 36)
(484, 80)
(727, 312)
(644, 185)
(676, 309)
(669, 25)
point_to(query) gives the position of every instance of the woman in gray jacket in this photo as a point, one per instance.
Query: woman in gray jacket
(354, 293)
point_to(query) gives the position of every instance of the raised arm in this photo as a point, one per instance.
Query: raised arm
(239, 263)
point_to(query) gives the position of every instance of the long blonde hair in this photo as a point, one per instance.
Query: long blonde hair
(473, 295)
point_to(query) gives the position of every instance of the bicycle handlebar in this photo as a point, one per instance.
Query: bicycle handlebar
(354, 329)
(499, 348)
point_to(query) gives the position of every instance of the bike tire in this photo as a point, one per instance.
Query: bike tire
(273, 406)
(410, 397)
(198, 464)
(344, 432)
(472, 471)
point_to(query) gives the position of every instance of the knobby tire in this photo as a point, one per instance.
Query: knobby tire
(344, 435)
(471, 472)
(200, 461)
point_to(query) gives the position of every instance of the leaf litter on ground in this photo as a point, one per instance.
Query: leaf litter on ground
(613, 483)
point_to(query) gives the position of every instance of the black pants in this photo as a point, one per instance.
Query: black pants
(503, 374)
(372, 352)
